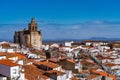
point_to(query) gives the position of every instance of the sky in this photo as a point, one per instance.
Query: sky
(62, 19)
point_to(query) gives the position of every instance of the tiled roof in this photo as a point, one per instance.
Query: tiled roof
(5, 45)
(70, 60)
(87, 62)
(54, 60)
(10, 55)
(20, 56)
(103, 73)
(46, 63)
(8, 63)
(2, 54)
(110, 64)
(33, 73)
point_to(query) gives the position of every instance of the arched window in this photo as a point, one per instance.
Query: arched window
(35, 28)
(32, 28)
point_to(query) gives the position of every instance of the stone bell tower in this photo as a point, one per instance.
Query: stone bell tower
(31, 36)
(35, 35)
(32, 26)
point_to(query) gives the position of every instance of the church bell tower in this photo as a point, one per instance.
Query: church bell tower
(33, 26)
(31, 36)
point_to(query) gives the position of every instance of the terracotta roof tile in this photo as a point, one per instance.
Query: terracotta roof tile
(8, 63)
(33, 73)
(10, 55)
(70, 60)
(48, 64)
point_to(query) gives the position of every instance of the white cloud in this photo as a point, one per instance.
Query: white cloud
(68, 31)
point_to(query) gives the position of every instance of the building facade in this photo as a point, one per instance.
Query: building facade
(11, 70)
(31, 36)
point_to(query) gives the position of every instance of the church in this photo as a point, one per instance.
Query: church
(32, 36)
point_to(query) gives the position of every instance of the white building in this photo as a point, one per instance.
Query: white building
(10, 70)
(54, 45)
(68, 43)
(104, 47)
(45, 47)
(2, 56)
(65, 48)
(3, 78)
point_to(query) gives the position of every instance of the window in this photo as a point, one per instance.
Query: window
(14, 71)
(35, 28)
